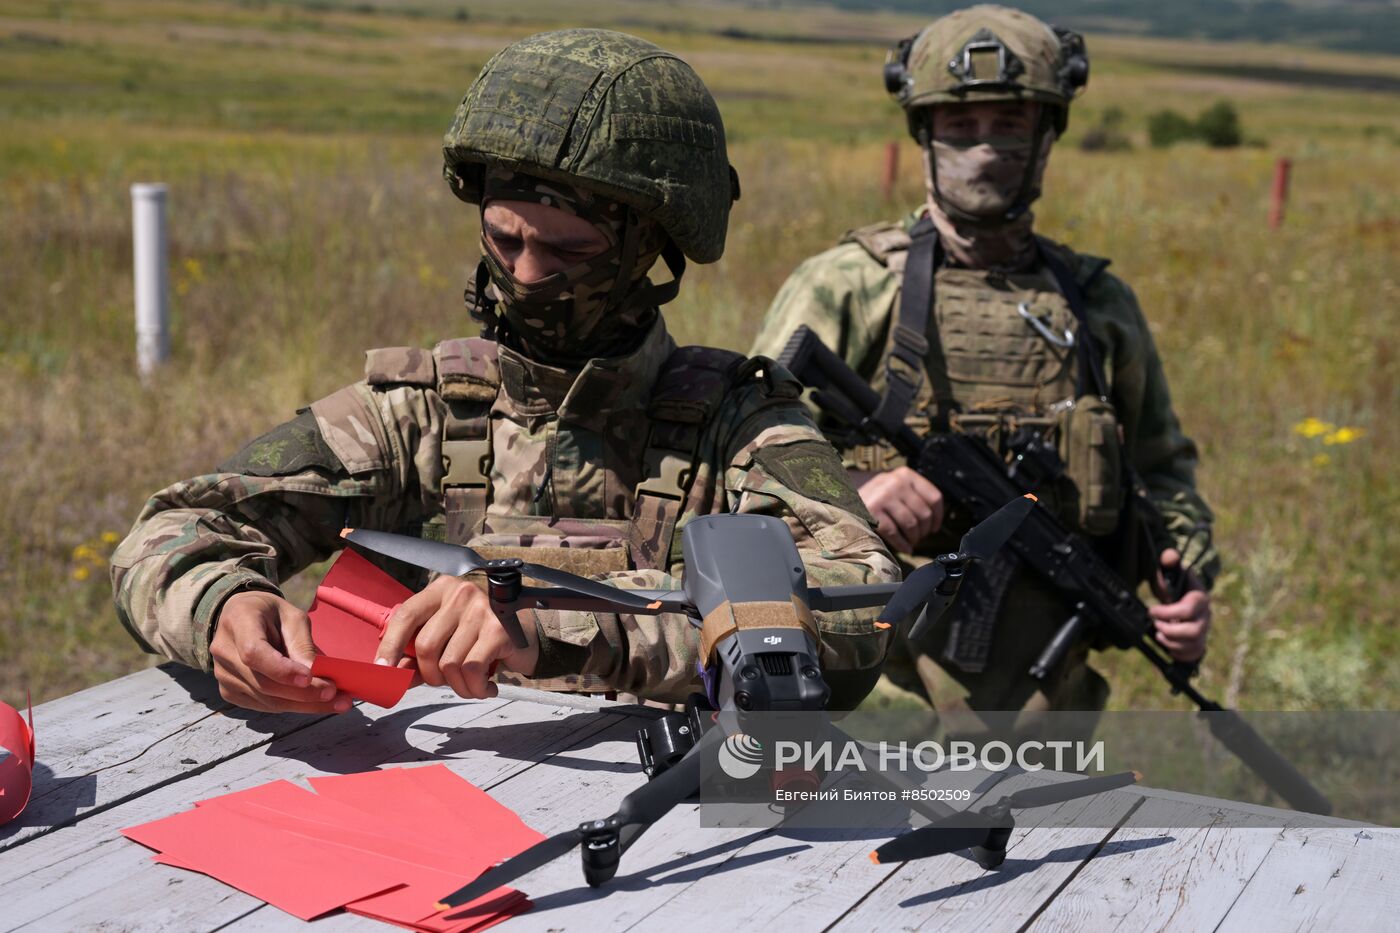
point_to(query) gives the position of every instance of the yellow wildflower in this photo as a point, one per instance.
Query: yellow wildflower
(1343, 435)
(83, 552)
(81, 573)
(1321, 460)
(195, 269)
(110, 537)
(1312, 427)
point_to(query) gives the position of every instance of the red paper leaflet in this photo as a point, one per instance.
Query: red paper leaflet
(16, 760)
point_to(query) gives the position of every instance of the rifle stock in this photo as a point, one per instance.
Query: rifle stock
(968, 472)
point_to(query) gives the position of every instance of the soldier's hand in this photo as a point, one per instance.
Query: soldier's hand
(907, 507)
(1182, 625)
(262, 654)
(457, 638)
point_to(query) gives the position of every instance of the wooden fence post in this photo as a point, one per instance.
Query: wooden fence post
(1279, 198)
(891, 171)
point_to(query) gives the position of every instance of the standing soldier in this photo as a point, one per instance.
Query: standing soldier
(576, 428)
(965, 320)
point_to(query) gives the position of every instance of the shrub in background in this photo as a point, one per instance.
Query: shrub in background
(1107, 135)
(1218, 125)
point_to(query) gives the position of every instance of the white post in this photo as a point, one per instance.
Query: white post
(152, 277)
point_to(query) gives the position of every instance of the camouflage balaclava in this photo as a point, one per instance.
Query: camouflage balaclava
(980, 191)
(600, 307)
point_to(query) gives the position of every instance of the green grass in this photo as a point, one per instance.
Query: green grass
(309, 222)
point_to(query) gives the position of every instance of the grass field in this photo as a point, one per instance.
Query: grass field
(309, 222)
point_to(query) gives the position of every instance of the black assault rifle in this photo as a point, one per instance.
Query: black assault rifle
(971, 475)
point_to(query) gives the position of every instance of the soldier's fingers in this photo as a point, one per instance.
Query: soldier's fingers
(242, 698)
(296, 633)
(341, 704)
(453, 656)
(407, 620)
(916, 505)
(491, 645)
(1183, 650)
(904, 520)
(258, 655)
(432, 639)
(1186, 629)
(1171, 557)
(1194, 604)
(890, 532)
(272, 691)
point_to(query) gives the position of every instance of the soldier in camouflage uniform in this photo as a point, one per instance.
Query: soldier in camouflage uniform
(998, 349)
(578, 431)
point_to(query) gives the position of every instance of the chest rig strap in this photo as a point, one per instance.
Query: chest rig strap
(910, 334)
(1090, 359)
(687, 395)
(468, 378)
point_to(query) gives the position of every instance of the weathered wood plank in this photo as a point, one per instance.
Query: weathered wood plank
(109, 742)
(1187, 880)
(953, 892)
(1322, 879)
(85, 876)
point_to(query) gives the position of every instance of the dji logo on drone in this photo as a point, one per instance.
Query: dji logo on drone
(773, 640)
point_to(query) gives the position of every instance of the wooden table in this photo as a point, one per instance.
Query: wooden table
(150, 744)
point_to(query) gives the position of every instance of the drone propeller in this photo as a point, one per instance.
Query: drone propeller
(458, 560)
(981, 542)
(968, 829)
(639, 809)
(989, 536)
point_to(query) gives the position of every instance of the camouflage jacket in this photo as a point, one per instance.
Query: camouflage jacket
(566, 457)
(849, 295)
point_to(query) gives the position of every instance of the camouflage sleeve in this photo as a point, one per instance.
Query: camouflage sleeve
(1160, 451)
(269, 511)
(777, 463)
(838, 294)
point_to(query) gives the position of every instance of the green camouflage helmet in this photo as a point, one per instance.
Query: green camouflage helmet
(987, 53)
(606, 111)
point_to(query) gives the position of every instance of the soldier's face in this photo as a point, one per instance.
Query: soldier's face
(535, 241)
(964, 124)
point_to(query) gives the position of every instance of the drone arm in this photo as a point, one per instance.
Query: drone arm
(858, 596)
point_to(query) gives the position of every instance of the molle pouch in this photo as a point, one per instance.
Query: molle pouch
(1092, 498)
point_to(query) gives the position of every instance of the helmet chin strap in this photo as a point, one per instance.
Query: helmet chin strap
(1025, 195)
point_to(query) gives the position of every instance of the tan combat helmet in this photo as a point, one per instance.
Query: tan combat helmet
(987, 53)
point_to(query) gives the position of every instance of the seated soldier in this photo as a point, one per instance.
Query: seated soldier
(575, 427)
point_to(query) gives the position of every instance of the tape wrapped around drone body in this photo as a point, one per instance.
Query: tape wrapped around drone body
(729, 617)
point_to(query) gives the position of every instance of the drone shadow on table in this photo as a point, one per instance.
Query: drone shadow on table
(684, 870)
(360, 742)
(1014, 868)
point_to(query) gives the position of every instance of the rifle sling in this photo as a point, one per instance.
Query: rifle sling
(911, 336)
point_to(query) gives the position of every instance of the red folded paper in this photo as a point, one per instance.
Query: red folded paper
(16, 761)
(351, 608)
(383, 844)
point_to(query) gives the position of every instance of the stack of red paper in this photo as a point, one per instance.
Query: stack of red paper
(383, 844)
